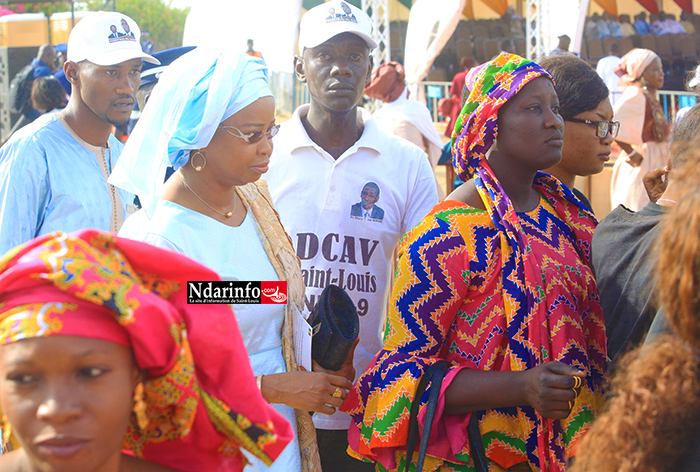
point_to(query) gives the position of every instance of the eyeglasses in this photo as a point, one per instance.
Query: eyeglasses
(255, 136)
(602, 127)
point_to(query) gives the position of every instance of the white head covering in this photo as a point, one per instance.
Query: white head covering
(632, 66)
(193, 96)
(695, 81)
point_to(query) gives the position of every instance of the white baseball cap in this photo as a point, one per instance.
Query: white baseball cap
(329, 19)
(106, 38)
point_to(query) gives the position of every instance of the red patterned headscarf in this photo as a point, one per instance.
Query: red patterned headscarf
(387, 82)
(203, 404)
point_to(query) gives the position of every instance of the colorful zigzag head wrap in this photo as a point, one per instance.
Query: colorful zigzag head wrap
(492, 85)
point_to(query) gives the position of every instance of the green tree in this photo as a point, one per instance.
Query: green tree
(166, 24)
(49, 8)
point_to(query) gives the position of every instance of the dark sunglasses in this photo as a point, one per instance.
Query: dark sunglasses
(602, 127)
(255, 136)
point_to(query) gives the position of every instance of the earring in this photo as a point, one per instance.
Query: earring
(140, 407)
(192, 156)
(6, 431)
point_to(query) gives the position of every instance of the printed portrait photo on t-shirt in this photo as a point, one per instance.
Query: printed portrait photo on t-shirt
(367, 208)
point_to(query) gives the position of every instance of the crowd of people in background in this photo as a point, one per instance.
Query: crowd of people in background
(608, 25)
(509, 33)
(502, 321)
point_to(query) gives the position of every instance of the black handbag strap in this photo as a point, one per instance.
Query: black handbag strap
(433, 375)
(476, 444)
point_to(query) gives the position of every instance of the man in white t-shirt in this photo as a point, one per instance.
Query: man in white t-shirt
(606, 70)
(326, 156)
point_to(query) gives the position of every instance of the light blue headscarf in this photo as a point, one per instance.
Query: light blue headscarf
(193, 96)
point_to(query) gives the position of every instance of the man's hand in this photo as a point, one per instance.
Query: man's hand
(308, 391)
(655, 183)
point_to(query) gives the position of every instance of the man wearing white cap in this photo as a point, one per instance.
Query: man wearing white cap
(323, 158)
(53, 173)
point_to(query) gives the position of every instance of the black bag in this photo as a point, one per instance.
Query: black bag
(21, 89)
(335, 327)
(433, 375)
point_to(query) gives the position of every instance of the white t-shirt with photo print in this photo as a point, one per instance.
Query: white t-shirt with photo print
(320, 198)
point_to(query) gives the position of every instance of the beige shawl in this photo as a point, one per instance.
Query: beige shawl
(280, 250)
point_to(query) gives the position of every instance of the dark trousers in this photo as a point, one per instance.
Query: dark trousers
(332, 446)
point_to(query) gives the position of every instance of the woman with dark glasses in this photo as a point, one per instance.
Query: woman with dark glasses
(588, 127)
(212, 117)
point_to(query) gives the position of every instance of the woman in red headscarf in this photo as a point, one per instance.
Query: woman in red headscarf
(100, 352)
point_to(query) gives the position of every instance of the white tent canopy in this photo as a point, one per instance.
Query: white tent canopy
(431, 24)
(273, 25)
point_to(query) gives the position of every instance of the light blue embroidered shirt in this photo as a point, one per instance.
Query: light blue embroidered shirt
(51, 180)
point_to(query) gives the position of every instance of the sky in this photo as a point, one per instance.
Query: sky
(266, 22)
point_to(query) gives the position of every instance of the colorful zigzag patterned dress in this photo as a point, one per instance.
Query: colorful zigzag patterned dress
(448, 303)
(492, 290)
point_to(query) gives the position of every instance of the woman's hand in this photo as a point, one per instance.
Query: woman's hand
(347, 370)
(635, 159)
(309, 391)
(549, 389)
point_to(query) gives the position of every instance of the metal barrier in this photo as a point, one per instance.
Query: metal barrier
(433, 92)
(289, 93)
(673, 101)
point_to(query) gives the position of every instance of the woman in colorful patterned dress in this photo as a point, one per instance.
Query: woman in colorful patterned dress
(100, 352)
(496, 280)
(644, 130)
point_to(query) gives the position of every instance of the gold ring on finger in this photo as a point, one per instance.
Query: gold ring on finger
(337, 393)
(577, 382)
(571, 405)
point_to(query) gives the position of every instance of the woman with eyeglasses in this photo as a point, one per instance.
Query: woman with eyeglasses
(652, 419)
(212, 117)
(644, 130)
(588, 116)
